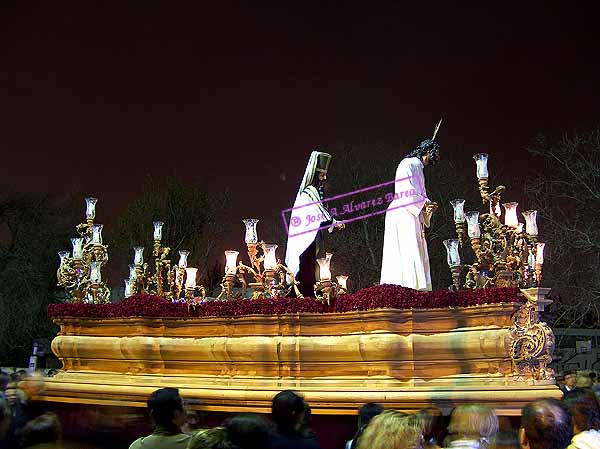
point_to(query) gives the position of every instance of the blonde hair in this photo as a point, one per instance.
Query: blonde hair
(584, 381)
(392, 430)
(208, 438)
(473, 420)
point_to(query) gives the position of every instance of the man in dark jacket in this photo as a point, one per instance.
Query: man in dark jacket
(287, 412)
(166, 408)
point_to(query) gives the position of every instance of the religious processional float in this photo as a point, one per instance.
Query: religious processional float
(479, 341)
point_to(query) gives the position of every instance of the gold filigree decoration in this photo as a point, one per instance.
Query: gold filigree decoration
(531, 344)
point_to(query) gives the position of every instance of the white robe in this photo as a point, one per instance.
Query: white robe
(300, 237)
(405, 259)
(589, 439)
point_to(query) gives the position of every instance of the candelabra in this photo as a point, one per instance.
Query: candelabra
(166, 281)
(80, 273)
(507, 255)
(270, 278)
(325, 288)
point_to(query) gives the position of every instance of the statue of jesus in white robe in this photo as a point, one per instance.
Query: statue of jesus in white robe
(405, 259)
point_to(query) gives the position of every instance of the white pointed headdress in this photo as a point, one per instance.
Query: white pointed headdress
(311, 168)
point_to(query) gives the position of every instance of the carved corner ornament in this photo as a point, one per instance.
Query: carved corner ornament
(531, 340)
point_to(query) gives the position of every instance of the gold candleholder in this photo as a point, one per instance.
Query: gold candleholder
(483, 189)
(456, 271)
(227, 286)
(538, 274)
(325, 290)
(73, 274)
(476, 245)
(461, 232)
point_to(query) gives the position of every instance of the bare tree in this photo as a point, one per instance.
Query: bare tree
(32, 231)
(566, 192)
(192, 219)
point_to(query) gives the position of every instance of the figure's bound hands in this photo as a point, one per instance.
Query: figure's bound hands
(340, 226)
(431, 207)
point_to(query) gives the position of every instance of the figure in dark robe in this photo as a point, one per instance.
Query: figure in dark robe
(305, 240)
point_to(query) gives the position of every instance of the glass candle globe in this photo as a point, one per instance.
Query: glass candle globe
(183, 256)
(452, 252)
(251, 235)
(138, 255)
(342, 279)
(539, 253)
(531, 222)
(190, 277)
(231, 261)
(473, 224)
(97, 234)
(270, 258)
(510, 214)
(90, 208)
(481, 159)
(459, 210)
(158, 225)
(77, 243)
(324, 271)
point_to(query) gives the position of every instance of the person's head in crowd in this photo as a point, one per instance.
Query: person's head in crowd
(215, 438)
(583, 381)
(166, 409)
(392, 430)
(545, 424)
(194, 419)
(13, 393)
(45, 429)
(52, 372)
(594, 377)
(304, 428)
(570, 379)
(248, 431)
(473, 422)
(432, 421)
(5, 417)
(287, 411)
(4, 379)
(367, 412)
(505, 439)
(584, 408)
(32, 385)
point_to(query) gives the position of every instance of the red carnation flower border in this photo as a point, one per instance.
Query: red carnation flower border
(370, 298)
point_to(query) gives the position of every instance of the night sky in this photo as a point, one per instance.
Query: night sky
(99, 94)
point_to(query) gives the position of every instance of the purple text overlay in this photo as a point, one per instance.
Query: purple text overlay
(353, 206)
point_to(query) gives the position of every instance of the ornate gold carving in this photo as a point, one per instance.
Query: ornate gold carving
(339, 360)
(80, 276)
(273, 282)
(531, 343)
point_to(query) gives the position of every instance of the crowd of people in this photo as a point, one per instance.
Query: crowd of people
(571, 423)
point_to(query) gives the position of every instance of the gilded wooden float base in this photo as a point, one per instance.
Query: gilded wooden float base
(336, 395)
(405, 359)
